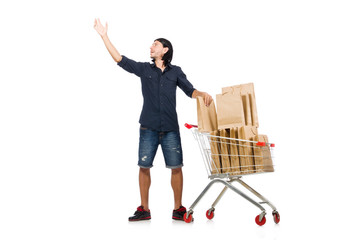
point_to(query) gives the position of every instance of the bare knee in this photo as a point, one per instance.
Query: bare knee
(177, 171)
(145, 171)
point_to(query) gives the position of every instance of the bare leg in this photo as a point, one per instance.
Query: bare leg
(145, 183)
(177, 183)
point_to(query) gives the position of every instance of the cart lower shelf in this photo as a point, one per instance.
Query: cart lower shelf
(259, 219)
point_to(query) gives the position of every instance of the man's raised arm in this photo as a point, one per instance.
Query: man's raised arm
(103, 33)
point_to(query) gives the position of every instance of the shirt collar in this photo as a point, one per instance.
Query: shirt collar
(168, 65)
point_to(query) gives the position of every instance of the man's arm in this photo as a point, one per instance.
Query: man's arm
(207, 98)
(103, 33)
(189, 90)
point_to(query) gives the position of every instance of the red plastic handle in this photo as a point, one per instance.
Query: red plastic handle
(189, 126)
(261, 144)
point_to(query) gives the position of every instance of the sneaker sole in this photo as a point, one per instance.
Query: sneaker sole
(140, 219)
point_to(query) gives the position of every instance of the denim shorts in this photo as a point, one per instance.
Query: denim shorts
(170, 144)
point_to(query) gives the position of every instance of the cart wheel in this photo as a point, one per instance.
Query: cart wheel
(276, 217)
(188, 219)
(210, 213)
(260, 223)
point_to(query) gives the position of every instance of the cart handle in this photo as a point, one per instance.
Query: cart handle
(189, 126)
(263, 144)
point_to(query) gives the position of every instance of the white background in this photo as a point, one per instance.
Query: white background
(69, 116)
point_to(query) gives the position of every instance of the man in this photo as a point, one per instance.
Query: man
(159, 124)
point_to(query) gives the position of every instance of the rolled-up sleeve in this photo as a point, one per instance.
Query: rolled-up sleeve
(132, 66)
(184, 84)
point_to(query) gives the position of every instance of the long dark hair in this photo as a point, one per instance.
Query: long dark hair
(167, 58)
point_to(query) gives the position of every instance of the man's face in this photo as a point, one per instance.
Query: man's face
(157, 50)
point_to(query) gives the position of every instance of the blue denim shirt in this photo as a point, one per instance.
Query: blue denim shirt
(159, 93)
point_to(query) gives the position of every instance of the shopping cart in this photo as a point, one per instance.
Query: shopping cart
(226, 161)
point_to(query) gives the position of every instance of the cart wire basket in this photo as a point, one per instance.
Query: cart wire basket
(226, 161)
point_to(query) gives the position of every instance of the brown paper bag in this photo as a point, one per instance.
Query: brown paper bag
(215, 153)
(206, 116)
(265, 160)
(225, 160)
(230, 110)
(248, 99)
(258, 155)
(234, 153)
(242, 152)
(248, 133)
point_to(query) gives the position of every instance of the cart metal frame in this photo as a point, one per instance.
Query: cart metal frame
(227, 179)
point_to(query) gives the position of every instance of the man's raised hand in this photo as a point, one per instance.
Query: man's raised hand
(100, 28)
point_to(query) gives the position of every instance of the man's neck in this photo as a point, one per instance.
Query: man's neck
(159, 64)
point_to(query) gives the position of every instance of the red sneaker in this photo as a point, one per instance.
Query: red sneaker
(140, 214)
(178, 214)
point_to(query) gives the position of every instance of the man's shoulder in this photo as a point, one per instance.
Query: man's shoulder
(127, 59)
(175, 68)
